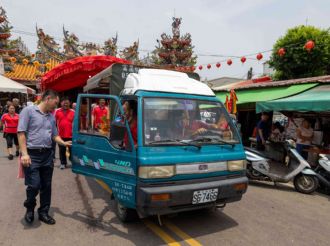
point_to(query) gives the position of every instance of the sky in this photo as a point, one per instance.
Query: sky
(219, 28)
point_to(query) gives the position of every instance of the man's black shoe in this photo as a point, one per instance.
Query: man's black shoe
(10, 157)
(47, 219)
(17, 153)
(29, 217)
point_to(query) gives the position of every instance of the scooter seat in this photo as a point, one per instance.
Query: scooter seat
(257, 152)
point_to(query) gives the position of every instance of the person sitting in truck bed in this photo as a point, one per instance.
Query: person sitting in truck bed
(100, 113)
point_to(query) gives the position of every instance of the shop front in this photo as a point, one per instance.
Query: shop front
(312, 105)
(249, 93)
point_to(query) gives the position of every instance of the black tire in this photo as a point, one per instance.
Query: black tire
(306, 184)
(124, 214)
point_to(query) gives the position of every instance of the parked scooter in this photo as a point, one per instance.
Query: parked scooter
(281, 163)
(323, 172)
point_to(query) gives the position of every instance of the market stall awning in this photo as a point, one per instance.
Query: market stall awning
(265, 93)
(11, 86)
(316, 99)
(75, 73)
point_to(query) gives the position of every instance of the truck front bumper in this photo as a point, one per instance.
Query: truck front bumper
(181, 195)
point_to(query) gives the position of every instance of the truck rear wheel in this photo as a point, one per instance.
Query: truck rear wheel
(124, 214)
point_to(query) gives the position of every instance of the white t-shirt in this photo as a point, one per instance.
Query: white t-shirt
(305, 133)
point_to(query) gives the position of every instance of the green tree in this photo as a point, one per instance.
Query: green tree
(297, 62)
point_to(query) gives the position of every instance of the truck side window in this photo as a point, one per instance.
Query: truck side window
(102, 117)
(119, 136)
(95, 116)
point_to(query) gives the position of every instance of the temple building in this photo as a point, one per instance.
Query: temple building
(173, 52)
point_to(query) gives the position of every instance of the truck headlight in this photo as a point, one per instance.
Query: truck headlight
(237, 165)
(154, 172)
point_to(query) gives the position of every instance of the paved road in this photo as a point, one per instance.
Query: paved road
(266, 215)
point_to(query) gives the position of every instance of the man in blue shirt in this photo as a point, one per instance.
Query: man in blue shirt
(263, 131)
(36, 132)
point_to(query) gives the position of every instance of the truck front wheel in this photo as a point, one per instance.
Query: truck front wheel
(124, 214)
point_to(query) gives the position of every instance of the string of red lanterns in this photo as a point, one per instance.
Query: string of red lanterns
(309, 46)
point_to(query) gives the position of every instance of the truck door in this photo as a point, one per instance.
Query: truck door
(103, 147)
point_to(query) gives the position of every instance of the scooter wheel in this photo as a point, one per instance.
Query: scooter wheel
(306, 184)
(124, 214)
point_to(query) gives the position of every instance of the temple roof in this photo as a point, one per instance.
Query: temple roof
(28, 72)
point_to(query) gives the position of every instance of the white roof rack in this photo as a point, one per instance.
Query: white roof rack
(164, 81)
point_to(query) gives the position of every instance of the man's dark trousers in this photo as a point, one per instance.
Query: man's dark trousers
(62, 150)
(38, 177)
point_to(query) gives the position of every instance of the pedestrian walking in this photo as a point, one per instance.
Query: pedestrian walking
(64, 119)
(18, 107)
(36, 132)
(10, 122)
(263, 131)
(5, 108)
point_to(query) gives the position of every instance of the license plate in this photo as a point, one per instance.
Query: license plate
(203, 196)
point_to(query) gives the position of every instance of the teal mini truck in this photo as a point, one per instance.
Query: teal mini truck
(183, 152)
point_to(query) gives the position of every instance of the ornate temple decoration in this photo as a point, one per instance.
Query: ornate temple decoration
(47, 48)
(176, 49)
(71, 45)
(7, 48)
(131, 53)
(110, 46)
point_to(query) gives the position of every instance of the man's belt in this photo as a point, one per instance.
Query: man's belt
(39, 150)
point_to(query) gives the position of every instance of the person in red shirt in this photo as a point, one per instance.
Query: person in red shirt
(192, 126)
(64, 119)
(130, 109)
(10, 121)
(100, 112)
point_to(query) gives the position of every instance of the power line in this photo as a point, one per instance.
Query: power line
(144, 50)
(249, 56)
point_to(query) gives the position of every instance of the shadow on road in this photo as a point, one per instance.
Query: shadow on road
(34, 225)
(270, 185)
(97, 222)
(203, 222)
(195, 223)
(285, 187)
(324, 193)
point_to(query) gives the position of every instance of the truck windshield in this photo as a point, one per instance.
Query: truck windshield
(174, 121)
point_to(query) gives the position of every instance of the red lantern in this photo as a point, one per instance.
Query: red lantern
(281, 52)
(218, 64)
(229, 62)
(208, 66)
(259, 56)
(192, 68)
(309, 45)
(200, 67)
(243, 59)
